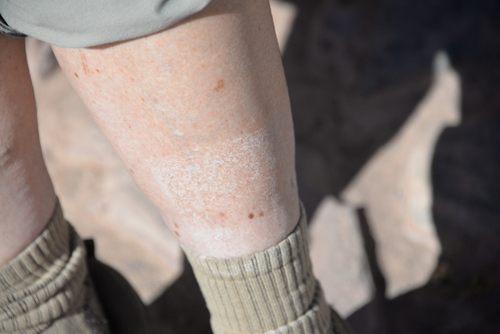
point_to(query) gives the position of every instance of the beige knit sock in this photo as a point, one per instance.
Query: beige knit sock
(46, 289)
(270, 292)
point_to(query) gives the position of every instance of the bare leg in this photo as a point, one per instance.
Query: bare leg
(200, 115)
(27, 197)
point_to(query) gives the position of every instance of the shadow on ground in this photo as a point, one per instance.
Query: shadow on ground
(181, 309)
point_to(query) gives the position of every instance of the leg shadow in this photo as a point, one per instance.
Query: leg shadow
(181, 309)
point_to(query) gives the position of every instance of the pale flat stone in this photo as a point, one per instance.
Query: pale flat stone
(338, 256)
(283, 15)
(394, 187)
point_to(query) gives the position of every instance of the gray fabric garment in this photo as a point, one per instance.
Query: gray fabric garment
(9, 31)
(77, 24)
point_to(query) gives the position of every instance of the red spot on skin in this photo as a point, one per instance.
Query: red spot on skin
(177, 234)
(261, 214)
(220, 85)
(84, 65)
(76, 75)
(121, 70)
(222, 214)
(97, 70)
(251, 216)
(132, 79)
(142, 99)
(176, 226)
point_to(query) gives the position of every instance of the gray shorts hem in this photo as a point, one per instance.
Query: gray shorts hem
(7, 30)
(71, 24)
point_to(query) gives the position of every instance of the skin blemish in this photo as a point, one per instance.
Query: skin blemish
(251, 216)
(132, 79)
(261, 214)
(97, 70)
(176, 226)
(85, 67)
(76, 75)
(222, 215)
(142, 99)
(220, 85)
(177, 234)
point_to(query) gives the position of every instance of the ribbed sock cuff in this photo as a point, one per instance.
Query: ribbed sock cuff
(273, 291)
(45, 281)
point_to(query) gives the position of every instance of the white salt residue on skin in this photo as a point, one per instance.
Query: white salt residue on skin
(215, 187)
(209, 173)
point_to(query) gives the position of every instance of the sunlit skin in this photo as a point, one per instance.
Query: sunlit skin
(200, 115)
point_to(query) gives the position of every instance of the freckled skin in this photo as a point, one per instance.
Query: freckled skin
(84, 65)
(250, 216)
(220, 84)
(261, 214)
(195, 152)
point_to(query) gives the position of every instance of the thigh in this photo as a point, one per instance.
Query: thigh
(200, 115)
(27, 198)
(17, 103)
